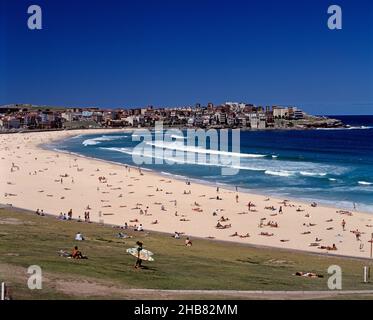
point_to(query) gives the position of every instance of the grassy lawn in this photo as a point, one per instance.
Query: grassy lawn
(27, 239)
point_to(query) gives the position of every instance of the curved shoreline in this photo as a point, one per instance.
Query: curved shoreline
(183, 178)
(36, 185)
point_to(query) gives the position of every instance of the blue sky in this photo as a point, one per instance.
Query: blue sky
(179, 52)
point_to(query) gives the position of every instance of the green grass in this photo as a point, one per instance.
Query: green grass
(206, 265)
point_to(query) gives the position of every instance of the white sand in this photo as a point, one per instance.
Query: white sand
(35, 182)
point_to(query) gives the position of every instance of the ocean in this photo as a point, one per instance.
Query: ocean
(329, 166)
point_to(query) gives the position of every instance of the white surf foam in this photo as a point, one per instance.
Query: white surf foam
(281, 173)
(365, 183)
(94, 141)
(313, 174)
(181, 147)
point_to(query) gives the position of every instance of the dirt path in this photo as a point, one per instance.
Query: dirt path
(91, 288)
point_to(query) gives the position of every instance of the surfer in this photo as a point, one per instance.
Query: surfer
(138, 261)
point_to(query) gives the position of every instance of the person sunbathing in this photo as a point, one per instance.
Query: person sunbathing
(329, 248)
(220, 226)
(234, 234)
(308, 274)
(266, 234)
(247, 235)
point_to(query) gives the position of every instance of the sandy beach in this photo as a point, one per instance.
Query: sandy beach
(35, 178)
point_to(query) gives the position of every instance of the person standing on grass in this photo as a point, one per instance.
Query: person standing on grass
(138, 261)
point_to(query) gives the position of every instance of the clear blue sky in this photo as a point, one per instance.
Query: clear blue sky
(179, 52)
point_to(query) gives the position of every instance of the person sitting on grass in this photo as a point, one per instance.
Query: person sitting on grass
(79, 237)
(76, 254)
(188, 243)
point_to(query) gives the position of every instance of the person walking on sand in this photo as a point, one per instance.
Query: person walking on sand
(138, 263)
(343, 225)
(237, 198)
(280, 210)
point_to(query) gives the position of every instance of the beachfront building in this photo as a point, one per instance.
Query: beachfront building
(227, 115)
(280, 112)
(298, 114)
(9, 122)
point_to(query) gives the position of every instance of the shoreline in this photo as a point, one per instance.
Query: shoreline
(230, 187)
(290, 223)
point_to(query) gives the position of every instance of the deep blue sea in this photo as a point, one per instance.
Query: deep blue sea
(332, 166)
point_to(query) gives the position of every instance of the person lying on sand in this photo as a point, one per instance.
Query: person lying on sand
(266, 234)
(272, 224)
(234, 234)
(348, 213)
(220, 226)
(155, 222)
(247, 235)
(332, 248)
(270, 208)
(223, 219)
